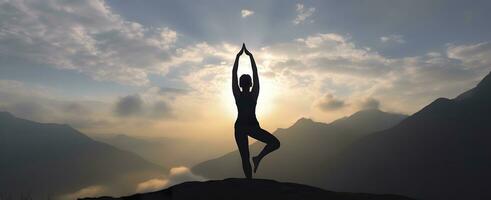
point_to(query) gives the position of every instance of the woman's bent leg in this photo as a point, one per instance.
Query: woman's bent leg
(272, 143)
(243, 145)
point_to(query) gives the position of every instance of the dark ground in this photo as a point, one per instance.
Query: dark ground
(255, 189)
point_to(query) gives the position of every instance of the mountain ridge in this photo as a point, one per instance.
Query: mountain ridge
(440, 152)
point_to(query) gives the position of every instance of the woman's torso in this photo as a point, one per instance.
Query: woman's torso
(246, 107)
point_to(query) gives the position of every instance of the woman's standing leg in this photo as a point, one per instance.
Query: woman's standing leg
(243, 144)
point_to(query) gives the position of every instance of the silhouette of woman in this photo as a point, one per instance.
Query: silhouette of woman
(246, 123)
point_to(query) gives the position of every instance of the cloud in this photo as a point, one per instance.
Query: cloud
(336, 65)
(85, 36)
(161, 109)
(151, 185)
(329, 53)
(91, 191)
(303, 14)
(329, 103)
(182, 174)
(135, 106)
(167, 38)
(90, 38)
(129, 105)
(399, 39)
(370, 103)
(246, 13)
(338, 55)
(329, 63)
(314, 65)
(126, 114)
(472, 55)
(176, 175)
(172, 91)
(42, 104)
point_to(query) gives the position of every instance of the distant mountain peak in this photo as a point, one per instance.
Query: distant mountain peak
(370, 119)
(369, 114)
(304, 120)
(482, 90)
(486, 80)
(485, 85)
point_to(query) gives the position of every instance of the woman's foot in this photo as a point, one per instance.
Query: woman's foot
(256, 161)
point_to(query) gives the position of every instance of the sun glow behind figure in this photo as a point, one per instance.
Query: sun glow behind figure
(267, 95)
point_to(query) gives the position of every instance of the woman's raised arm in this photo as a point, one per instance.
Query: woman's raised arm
(235, 81)
(255, 76)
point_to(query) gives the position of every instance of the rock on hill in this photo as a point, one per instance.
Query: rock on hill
(257, 189)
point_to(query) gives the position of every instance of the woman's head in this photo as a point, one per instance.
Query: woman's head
(245, 82)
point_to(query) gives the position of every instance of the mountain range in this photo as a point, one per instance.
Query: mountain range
(441, 152)
(43, 160)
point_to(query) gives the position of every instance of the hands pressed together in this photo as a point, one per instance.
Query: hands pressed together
(244, 49)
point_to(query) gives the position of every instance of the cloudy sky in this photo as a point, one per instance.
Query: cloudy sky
(162, 68)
